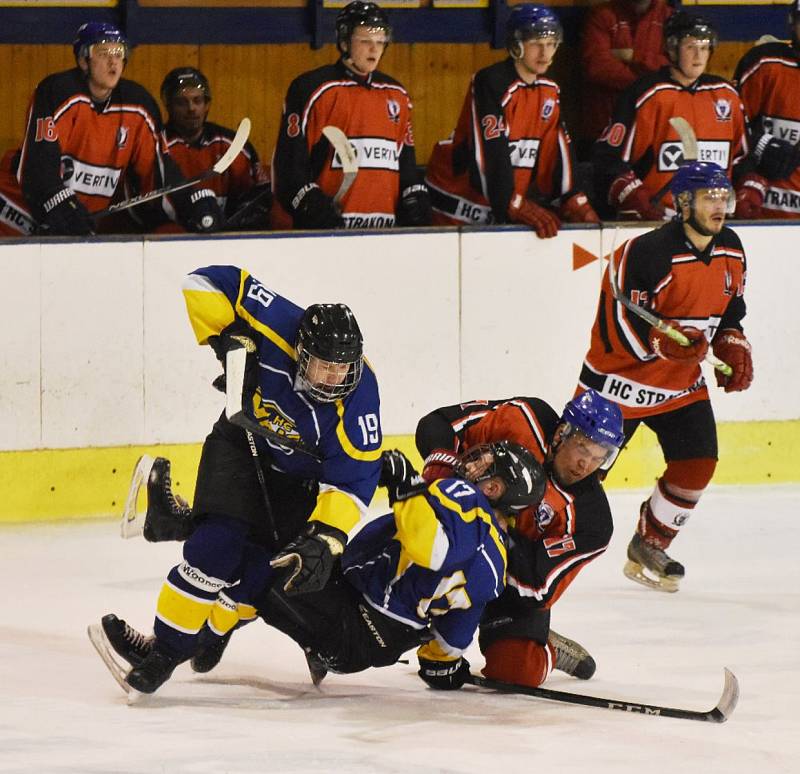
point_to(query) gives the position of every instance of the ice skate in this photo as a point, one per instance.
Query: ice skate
(128, 643)
(316, 667)
(154, 671)
(651, 566)
(210, 648)
(571, 657)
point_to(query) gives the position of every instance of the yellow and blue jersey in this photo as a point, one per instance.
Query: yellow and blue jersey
(345, 435)
(436, 561)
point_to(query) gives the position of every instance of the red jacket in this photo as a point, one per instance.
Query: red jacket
(613, 25)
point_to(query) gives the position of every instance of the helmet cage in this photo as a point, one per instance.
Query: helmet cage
(360, 14)
(522, 474)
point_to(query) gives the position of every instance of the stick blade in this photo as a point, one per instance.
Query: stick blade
(688, 137)
(343, 147)
(235, 148)
(728, 701)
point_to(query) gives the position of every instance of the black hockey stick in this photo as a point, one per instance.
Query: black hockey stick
(236, 411)
(222, 163)
(718, 714)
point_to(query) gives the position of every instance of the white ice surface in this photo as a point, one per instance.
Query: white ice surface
(60, 710)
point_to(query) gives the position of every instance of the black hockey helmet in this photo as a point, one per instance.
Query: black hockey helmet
(686, 25)
(183, 78)
(330, 333)
(523, 476)
(95, 32)
(359, 14)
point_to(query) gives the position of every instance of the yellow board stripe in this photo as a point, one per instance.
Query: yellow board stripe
(347, 444)
(184, 612)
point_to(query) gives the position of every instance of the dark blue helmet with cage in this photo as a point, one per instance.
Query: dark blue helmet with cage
(699, 175)
(529, 21)
(597, 418)
(97, 32)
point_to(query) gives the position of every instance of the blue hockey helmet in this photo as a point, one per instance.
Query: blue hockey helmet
(598, 418)
(698, 175)
(97, 32)
(529, 21)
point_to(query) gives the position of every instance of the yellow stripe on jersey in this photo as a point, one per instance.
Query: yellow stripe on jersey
(209, 309)
(182, 611)
(347, 444)
(257, 325)
(420, 533)
(470, 515)
(336, 509)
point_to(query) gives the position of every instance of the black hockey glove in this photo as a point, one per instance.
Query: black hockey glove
(237, 334)
(399, 477)
(66, 215)
(203, 214)
(777, 159)
(313, 209)
(414, 208)
(444, 675)
(251, 209)
(310, 558)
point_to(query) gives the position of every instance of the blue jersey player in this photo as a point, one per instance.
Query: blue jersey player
(419, 576)
(299, 463)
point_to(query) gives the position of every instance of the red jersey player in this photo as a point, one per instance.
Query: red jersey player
(768, 78)
(553, 541)
(640, 151)
(690, 272)
(509, 159)
(93, 137)
(374, 111)
(196, 144)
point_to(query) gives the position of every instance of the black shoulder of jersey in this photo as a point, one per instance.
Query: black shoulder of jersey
(592, 510)
(210, 129)
(380, 77)
(64, 84)
(544, 412)
(659, 245)
(707, 79)
(764, 51)
(309, 81)
(729, 238)
(498, 75)
(133, 92)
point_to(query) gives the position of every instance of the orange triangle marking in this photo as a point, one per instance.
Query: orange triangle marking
(581, 257)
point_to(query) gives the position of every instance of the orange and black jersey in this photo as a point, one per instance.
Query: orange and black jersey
(88, 147)
(509, 140)
(375, 114)
(570, 527)
(640, 138)
(196, 157)
(768, 78)
(663, 272)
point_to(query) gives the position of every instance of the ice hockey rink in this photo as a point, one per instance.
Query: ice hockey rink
(739, 606)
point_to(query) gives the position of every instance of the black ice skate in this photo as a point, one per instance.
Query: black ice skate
(210, 648)
(651, 566)
(154, 671)
(316, 667)
(131, 645)
(571, 657)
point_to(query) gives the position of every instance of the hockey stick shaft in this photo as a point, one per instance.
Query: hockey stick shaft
(347, 156)
(717, 714)
(690, 151)
(224, 161)
(653, 319)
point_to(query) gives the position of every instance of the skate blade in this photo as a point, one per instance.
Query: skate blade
(131, 525)
(107, 654)
(639, 574)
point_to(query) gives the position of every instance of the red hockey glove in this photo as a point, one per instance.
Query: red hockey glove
(544, 221)
(667, 349)
(577, 209)
(439, 464)
(732, 347)
(750, 197)
(632, 200)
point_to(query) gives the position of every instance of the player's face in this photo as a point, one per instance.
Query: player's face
(104, 67)
(693, 56)
(537, 55)
(367, 45)
(577, 457)
(188, 110)
(710, 208)
(322, 373)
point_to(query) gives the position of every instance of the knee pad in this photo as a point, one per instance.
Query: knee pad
(524, 662)
(685, 478)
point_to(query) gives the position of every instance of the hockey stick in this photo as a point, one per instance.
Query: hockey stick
(688, 141)
(236, 411)
(718, 714)
(654, 320)
(347, 155)
(222, 163)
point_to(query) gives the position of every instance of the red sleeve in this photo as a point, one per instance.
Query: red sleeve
(599, 64)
